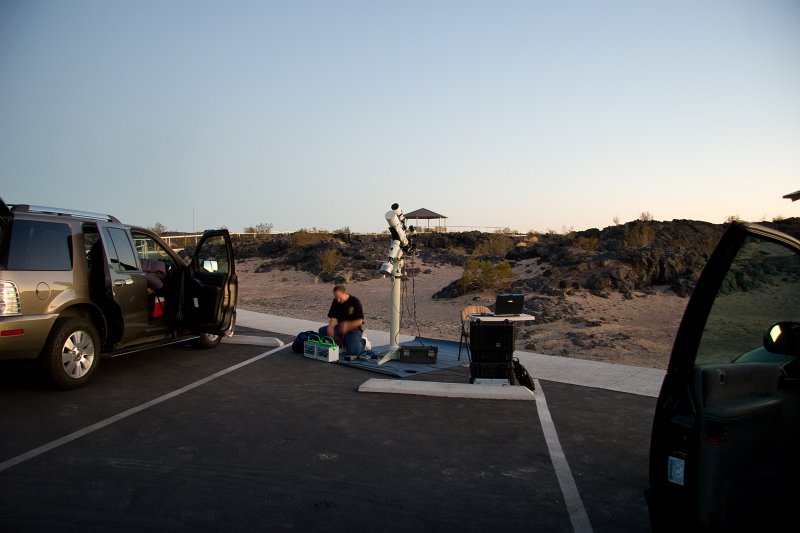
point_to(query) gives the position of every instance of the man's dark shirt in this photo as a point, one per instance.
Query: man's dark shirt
(349, 310)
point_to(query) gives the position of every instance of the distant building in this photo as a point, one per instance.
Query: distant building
(427, 214)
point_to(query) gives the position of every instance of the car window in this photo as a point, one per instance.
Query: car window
(123, 257)
(40, 246)
(148, 248)
(761, 288)
(212, 256)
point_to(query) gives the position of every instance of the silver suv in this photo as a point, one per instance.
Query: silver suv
(75, 285)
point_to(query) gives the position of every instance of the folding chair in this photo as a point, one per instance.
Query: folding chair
(469, 310)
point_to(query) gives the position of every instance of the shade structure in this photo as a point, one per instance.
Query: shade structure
(793, 196)
(426, 214)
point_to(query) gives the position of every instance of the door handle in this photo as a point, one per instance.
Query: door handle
(121, 282)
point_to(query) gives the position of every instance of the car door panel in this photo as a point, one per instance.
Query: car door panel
(724, 441)
(740, 430)
(127, 285)
(213, 285)
(207, 297)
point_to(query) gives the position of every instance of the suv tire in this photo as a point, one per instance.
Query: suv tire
(208, 341)
(72, 352)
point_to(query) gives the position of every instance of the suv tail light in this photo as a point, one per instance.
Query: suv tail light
(9, 299)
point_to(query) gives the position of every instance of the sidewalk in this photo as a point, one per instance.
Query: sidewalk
(622, 378)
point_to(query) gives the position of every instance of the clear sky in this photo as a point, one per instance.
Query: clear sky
(531, 115)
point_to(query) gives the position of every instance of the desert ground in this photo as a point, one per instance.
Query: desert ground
(636, 331)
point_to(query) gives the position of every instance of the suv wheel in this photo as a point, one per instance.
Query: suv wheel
(208, 340)
(72, 352)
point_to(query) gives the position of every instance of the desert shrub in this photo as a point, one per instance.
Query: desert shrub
(262, 228)
(497, 276)
(329, 260)
(498, 245)
(646, 216)
(589, 244)
(480, 275)
(304, 237)
(470, 279)
(639, 235)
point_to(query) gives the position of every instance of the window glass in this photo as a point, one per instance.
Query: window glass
(111, 251)
(761, 288)
(212, 256)
(40, 246)
(148, 248)
(125, 256)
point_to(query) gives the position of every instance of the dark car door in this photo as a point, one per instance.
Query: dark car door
(213, 286)
(126, 285)
(725, 446)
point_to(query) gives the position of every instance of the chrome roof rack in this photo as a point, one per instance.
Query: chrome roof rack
(25, 208)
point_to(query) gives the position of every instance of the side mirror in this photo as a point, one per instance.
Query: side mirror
(783, 338)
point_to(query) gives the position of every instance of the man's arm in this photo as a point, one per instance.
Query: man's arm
(331, 325)
(349, 325)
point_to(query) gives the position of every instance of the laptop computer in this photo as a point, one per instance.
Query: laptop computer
(509, 304)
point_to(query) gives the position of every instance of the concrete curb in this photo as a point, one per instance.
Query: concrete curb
(447, 390)
(621, 378)
(253, 340)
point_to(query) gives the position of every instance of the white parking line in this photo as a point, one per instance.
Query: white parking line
(14, 461)
(572, 498)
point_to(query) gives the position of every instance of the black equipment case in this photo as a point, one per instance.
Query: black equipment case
(491, 342)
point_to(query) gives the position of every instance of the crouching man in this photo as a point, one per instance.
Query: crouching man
(346, 318)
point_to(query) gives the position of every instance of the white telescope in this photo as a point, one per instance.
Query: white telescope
(394, 268)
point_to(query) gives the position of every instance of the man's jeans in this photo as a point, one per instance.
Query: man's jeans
(353, 345)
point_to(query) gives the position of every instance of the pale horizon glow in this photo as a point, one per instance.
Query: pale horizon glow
(529, 115)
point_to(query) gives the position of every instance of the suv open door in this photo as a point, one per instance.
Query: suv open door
(210, 302)
(725, 445)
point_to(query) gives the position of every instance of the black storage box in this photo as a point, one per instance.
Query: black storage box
(492, 371)
(418, 354)
(491, 342)
(492, 356)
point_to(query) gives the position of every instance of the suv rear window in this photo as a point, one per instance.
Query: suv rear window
(39, 246)
(123, 258)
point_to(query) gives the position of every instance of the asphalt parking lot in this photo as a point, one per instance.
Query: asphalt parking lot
(175, 439)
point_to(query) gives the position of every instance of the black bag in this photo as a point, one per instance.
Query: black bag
(302, 337)
(523, 378)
